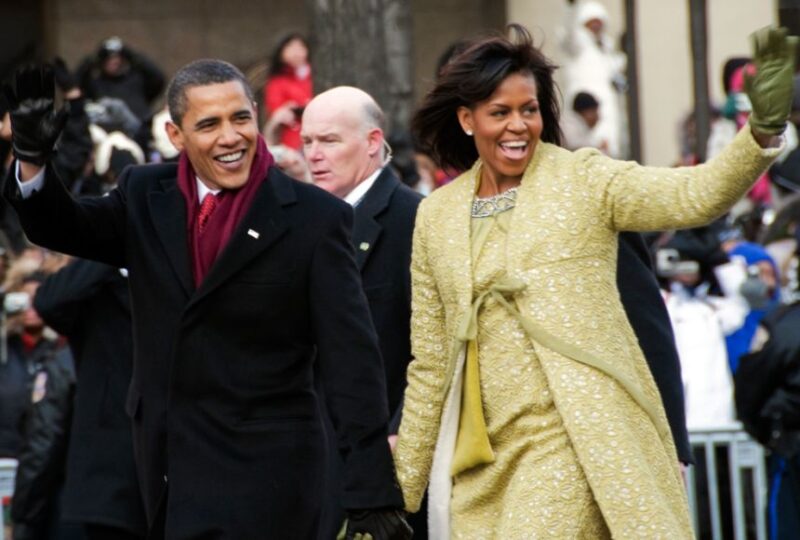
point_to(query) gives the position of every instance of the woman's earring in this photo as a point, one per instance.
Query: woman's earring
(468, 132)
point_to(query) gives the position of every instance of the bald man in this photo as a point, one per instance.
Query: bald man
(343, 141)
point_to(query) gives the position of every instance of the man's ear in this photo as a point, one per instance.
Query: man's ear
(465, 119)
(175, 135)
(374, 142)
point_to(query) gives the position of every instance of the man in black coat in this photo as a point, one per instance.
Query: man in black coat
(231, 307)
(88, 302)
(356, 169)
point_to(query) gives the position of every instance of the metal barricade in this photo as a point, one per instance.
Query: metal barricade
(745, 477)
(8, 469)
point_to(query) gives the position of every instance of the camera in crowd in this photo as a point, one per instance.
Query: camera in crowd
(669, 264)
(16, 302)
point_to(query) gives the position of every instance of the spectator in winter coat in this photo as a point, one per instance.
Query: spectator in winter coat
(117, 71)
(288, 89)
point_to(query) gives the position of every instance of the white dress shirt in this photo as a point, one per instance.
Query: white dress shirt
(355, 196)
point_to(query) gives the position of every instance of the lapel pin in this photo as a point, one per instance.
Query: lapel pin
(253, 233)
(364, 246)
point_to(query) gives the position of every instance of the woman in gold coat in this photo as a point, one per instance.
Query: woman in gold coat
(530, 411)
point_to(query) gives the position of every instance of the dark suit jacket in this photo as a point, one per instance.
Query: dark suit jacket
(648, 316)
(222, 398)
(88, 303)
(382, 232)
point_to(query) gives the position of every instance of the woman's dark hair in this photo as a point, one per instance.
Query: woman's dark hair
(472, 76)
(276, 63)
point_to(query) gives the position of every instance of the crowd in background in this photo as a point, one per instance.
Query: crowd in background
(731, 288)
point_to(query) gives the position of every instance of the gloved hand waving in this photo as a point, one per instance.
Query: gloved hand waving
(35, 123)
(770, 88)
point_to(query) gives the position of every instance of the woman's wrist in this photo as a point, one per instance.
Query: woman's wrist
(766, 140)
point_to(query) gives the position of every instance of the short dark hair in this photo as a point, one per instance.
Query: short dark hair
(471, 77)
(201, 73)
(584, 101)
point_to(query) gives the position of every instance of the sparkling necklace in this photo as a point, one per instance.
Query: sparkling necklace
(495, 204)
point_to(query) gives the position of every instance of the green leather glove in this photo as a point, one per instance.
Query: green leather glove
(770, 88)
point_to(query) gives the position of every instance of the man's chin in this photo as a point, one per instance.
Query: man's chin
(232, 179)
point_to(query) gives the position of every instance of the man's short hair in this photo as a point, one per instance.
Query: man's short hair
(584, 101)
(373, 115)
(201, 73)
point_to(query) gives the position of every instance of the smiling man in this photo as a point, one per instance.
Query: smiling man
(240, 280)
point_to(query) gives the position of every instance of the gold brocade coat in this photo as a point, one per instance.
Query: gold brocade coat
(562, 244)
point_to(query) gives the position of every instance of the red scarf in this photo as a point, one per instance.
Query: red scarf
(230, 210)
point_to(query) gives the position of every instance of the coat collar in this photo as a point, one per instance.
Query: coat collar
(457, 226)
(366, 229)
(458, 217)
(261, 226)
(526, 208)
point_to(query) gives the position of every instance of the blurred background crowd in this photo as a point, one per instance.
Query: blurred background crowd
(732, 288)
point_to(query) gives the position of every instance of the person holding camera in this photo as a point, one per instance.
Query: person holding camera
(117, 71)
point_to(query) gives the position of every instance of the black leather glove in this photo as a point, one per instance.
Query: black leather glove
(386, 524)
(35, 124)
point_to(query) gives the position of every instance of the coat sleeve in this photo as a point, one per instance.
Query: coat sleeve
(424, 396)
(638, 198)
(60, 297)
(92, 228)
(351, 369)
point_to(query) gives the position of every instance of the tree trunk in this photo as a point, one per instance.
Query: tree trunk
(366, 44)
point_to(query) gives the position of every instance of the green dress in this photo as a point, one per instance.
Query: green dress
(535, 487)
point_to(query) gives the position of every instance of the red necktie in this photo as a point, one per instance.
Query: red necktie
(207, 208)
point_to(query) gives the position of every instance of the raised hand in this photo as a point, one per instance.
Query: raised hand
(35, 124)
(770, 88)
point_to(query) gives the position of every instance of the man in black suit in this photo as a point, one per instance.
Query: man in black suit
(88, 302)
(233, 299)
(342, 133)
(357, 170)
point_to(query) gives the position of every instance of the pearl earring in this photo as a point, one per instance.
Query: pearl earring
(468, 132)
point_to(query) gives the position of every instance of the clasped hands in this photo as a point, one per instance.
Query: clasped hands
(377, 524)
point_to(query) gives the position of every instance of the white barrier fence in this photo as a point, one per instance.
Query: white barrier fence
(727, 485)
(8, 468)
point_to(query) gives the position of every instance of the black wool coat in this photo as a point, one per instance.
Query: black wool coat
(88, 302)
(227, 428)
(644, 306)
(382, 233)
